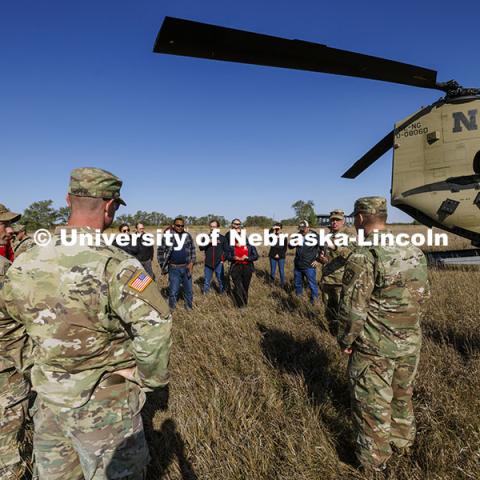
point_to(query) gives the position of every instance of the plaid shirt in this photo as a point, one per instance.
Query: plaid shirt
(164, 252)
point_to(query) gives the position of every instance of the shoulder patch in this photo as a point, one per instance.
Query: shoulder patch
(348, 276)
(140, 281)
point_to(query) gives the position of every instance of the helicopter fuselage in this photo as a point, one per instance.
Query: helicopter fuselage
(436, 166)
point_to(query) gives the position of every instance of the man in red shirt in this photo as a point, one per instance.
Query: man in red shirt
(6, 217)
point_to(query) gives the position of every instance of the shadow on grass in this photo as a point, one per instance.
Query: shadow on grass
(289, 302)
(465, 345)
(323, 383)
(200, 281)
(165, 444)
(264, 275)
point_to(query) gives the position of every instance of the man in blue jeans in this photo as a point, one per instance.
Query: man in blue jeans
(178, 262)
(214, 258)
(306, 261)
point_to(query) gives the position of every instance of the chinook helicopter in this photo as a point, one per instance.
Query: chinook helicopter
(436, 150)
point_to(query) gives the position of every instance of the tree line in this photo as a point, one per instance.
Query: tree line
(42, 214)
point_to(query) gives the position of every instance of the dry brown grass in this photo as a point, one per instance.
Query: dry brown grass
(262, 393)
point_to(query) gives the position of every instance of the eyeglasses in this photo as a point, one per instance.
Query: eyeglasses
(237, 224)
(179, 226)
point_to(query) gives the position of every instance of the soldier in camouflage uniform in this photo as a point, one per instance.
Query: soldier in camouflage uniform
(23, 241)
(101, 333)
(14, 388)
(383, 290)
(333, 260)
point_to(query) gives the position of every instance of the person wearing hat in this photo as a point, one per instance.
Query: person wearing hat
(101, 332)
(14, 387)
(306, 260)
(333, 261)
(23, 241)
(384, 289)
(277, 254)
(6, 218)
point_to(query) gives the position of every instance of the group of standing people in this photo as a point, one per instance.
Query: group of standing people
(87, 329)
(178, 258)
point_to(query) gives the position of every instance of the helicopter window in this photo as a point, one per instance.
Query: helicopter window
(476, 163)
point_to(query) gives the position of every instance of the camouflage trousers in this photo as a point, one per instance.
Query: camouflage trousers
(103, 439)
(331, 301)
(13, 416)
(381, 395)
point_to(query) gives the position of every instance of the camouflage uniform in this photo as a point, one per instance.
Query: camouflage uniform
(14, 388)
(383, 288)
(20, 246)
(90, 311)
(332, 274)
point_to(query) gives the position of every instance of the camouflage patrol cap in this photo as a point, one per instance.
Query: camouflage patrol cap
(371, 205)
(95, 182)
(18, 227)
(7, 216)
(337, 215)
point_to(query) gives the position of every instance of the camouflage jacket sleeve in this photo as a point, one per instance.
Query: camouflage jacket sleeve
(424, 290)
(135, 298)
(16, 347)
(358, 283)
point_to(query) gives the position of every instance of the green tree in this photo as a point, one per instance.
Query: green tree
(305, 211)
(63, 214)
(40, 215)
(258, 221)
(289, 221)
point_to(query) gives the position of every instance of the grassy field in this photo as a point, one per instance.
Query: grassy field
(262, 393)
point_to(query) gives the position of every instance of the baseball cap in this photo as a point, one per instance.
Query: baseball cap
(371, 205)
(95, 182)
(337, 215)
(7, 216)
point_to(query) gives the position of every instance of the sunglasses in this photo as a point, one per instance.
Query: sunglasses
(179, 226)
(125, 231)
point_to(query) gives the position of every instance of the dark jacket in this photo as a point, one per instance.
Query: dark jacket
(280, 250)
(252, 254)
(214, 254)
(145, 252)
(307, 254)
(129, 248)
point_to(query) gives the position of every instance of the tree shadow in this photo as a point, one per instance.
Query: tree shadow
(165, 444)
(324, 384)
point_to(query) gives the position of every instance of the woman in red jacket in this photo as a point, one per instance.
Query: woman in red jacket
(241, 257)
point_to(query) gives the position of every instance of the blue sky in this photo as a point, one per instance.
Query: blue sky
(80, 86)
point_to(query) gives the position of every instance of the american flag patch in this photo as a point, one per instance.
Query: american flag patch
(140, 281)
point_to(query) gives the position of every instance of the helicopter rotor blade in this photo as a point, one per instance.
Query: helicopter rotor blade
(382, 147)
(195, 39)
(386, 143)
